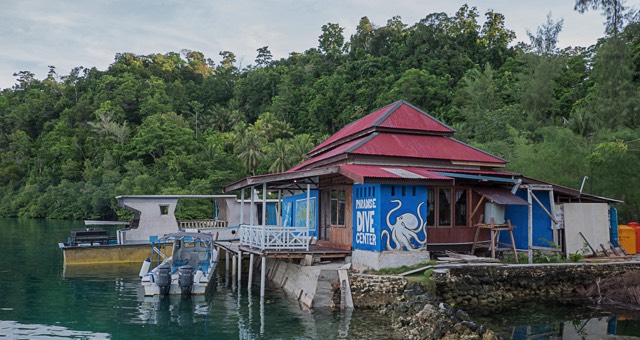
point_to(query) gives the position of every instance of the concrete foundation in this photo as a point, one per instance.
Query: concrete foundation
(363, 259)
(314, 286)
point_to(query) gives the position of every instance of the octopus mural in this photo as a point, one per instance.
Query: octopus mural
(405, 230)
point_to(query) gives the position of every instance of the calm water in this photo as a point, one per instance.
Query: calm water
(41, 299)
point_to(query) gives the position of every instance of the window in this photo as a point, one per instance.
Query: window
(164, 209)
(447, 207)
(444, 207)
(337, 207)
(460, 207)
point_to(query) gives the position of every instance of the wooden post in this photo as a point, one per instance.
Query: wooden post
(250, 271)
(242, 206)
(493, 238)
(263, 274)
(530, 227)
(253, 206)
(264, 204)
(239, 268)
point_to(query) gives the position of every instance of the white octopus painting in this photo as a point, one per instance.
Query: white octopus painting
(406, 229)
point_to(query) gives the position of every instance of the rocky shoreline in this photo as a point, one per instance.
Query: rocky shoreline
(419, 315)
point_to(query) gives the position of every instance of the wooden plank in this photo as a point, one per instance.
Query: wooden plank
(606, 252)
(587, 242)
(413, 271)
(615, 250)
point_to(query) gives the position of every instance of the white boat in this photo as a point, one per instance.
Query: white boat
(189, 268)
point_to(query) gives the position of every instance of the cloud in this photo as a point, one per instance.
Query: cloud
(68, 33)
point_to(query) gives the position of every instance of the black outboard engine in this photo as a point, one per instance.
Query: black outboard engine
(185, 279)
(163, 279)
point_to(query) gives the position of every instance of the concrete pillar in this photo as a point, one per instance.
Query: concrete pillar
(251, 256)
(263, 275)
(239, 268)
(234, 266)
(226, 261)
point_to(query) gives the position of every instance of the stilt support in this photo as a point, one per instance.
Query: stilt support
(239, 269)
(263, 274)
(251, 256)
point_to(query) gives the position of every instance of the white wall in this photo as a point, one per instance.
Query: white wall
(592, 219)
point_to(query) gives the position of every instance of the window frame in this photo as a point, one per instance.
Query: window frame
(340, 207)
(435, 204)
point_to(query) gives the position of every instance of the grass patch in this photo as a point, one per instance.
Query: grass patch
(423, 278)
(399, 270)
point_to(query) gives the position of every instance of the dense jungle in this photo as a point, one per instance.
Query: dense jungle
(184, 123)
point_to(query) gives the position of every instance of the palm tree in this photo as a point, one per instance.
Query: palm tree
(300, 145)
(249, 148)
(279, 154)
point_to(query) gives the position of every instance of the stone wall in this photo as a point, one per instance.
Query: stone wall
(495, 284)
(372, 291)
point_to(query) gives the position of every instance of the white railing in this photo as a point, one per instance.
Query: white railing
(202, 224)
(273, 237)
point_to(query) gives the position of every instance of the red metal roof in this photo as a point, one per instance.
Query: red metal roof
(424, 146)
(405, 116)
(399, 115)
(360, 173)
(334, 152)
(411, 146)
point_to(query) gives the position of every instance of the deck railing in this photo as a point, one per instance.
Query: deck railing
(273, 237)
(202, 224)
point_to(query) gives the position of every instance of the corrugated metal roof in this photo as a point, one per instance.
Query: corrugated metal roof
(399, 115)
(360, 173)
(355, 127)
(424, 146)
(408, 117)
(500, 196)
(334, 152)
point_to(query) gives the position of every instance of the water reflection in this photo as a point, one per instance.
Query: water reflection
(17, 330)
(176, 309)
(540, 321)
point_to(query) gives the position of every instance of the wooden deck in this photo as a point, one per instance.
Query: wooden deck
(314, 250)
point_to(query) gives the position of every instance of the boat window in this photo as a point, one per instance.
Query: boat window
(164, 209)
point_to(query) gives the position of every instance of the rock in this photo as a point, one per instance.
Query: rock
(446, 309)
(462, 315)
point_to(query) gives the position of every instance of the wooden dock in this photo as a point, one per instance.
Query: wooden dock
(235, 253)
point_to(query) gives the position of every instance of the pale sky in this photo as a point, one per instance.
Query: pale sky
(71, 33)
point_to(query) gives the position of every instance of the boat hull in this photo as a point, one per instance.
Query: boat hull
(105, 254)
(201, 280)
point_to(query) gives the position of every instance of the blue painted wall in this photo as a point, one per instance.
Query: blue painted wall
(519, 216)
(294, 211)
(389, 217)
(366, 217)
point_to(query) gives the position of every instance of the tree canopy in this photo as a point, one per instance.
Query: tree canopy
(184, 123)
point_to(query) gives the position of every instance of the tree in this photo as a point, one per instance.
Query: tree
(264, 57)
(331, 41)
(279, 156)
(614, 10)
(162, 134)
(249, 149)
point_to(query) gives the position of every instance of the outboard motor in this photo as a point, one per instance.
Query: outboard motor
(185, 279)
(163, 279)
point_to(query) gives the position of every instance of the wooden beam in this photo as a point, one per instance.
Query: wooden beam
(469, 221)
(543, 208)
